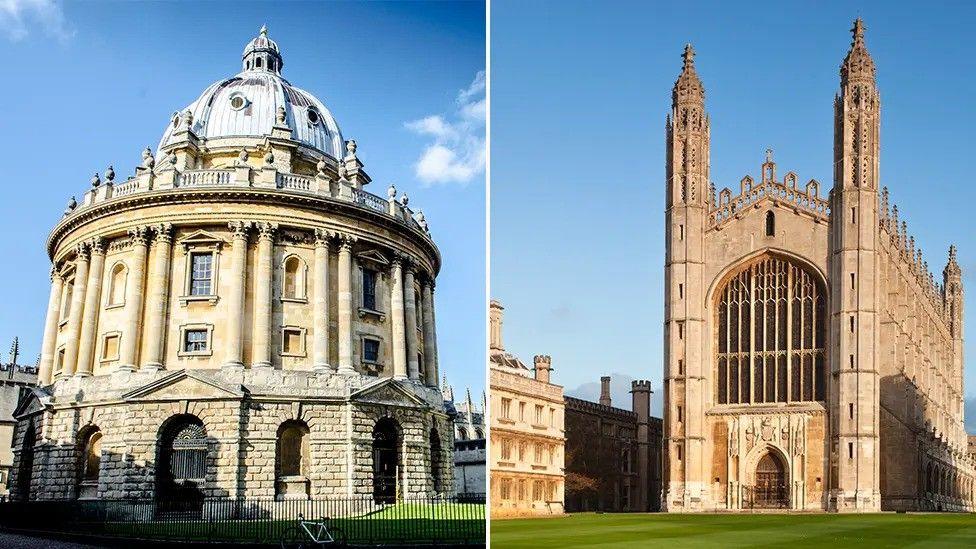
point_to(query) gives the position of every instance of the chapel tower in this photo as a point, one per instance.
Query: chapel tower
(853, 265)
(953, 296)
(687, 161)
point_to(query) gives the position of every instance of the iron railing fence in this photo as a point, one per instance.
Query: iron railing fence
(435, 520)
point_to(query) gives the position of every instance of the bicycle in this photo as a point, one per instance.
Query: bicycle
(310, 533)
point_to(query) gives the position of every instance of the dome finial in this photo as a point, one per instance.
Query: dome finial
(264, 30)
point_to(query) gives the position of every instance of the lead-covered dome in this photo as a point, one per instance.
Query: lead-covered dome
(247, 105)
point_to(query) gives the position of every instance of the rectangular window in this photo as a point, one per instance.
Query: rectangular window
(371, 350)
(680, 448)
(681, 367)
(852, 324)
(681, 330)
(506, 449)
(681, 232)
(538, 453)
(195, 341)
(681, 416)
(681, 291)
(521, 411)
(66, 293)
(853, 215)
(369, 289)
(60, 363)
(850, 410)
(110, 347)
(850, 450)
(538, 414)
(201, 274)
(506, 408)
(291, 341)
(552, 417)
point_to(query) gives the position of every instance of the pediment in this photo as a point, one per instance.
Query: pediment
(31, 401)
(374, 256)
(389, 392)
(202, 238)
(184, 385)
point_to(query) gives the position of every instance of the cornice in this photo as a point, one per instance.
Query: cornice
(242, 195)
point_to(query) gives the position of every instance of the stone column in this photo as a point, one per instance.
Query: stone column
(396, 313)
(433, 334)
(410, 319)
(345, 304)
(89, 323)
(51, 327)
(77, 308)
(430, 366)
(159, 281)
(134, 290)
(320, 305)
(264, 275)
(236, 272)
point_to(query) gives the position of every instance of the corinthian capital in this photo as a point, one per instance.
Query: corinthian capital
(266, 230)
(163, 232)
(97, 245)
(346, 241)
(323, 236)
(139, 236)
(240, 229)
(82, 250)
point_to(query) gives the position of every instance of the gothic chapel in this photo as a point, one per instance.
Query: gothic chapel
(812, 359)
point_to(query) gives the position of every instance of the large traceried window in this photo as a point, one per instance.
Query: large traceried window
(771, 326)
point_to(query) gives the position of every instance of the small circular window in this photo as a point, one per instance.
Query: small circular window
(238, 102)
(313, 117)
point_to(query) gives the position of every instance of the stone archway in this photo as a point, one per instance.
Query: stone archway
(386, 460)
(770, 481)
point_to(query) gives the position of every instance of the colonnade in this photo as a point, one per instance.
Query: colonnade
(157, 242)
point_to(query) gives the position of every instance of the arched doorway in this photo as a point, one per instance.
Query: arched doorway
(435, 460)
(386, 460)
(181, 468)
(770, 488)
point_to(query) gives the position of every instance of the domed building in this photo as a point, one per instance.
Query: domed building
(239, 319)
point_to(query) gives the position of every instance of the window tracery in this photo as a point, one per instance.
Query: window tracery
(770, 335)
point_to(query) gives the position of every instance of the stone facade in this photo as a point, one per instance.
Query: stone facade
(613, 455)
(14, 379)
(244, 285)
(812, 360)
(527, 432)
(470, 437)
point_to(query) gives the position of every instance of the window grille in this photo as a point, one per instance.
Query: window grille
(201, 274)
(369, 289)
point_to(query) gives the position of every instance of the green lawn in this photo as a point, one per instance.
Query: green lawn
(740, 530)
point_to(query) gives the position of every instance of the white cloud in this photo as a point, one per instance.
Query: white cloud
(457, 151)
(18, 16)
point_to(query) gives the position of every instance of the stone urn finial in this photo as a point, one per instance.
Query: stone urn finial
(351, 147)
(110, 174)
(342, 170)
(148, 161)
(269, 158)
(95, 181)
(72, 204)
(321, 166)
(391, 192)
(281, 115)
(243, 156)
(404, 200)
(188, 118)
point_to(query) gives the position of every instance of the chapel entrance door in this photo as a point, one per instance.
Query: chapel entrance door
(770, 489)
(385, 461)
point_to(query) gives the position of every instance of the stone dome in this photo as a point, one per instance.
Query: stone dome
(247, 106)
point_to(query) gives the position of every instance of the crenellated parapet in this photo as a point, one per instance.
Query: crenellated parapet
(785, 192)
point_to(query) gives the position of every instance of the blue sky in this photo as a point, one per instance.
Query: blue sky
(580, 91)
(92, 84)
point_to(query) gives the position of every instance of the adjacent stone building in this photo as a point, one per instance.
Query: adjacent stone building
(527, 434)
(470, 455)
(613, 455)
(812, 360)
(239, 319)
(15, 379)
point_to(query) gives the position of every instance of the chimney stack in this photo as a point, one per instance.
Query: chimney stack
(605, 390)
(495, 344)
(543, 368)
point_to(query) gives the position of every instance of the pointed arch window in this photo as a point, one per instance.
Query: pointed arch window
(770, 335)
(770, 223)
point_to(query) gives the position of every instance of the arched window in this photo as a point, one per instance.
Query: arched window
(90, 462)
(116, 291)
(181, 468)
(257, 62)
(771, 327)
(291, 460)
(461, 434)
(293, 285)
(435, 459)
(770, 223)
